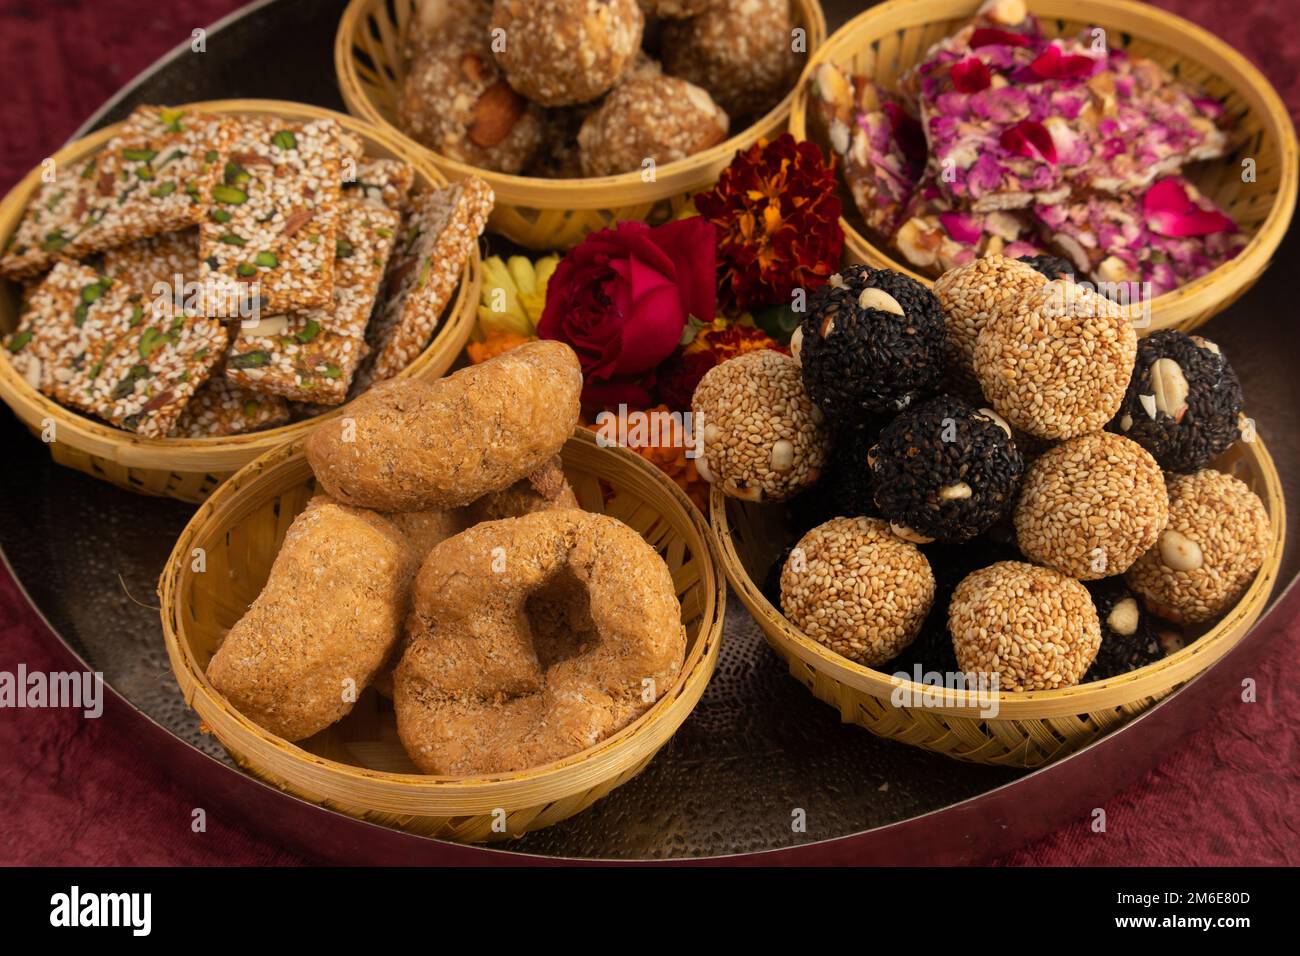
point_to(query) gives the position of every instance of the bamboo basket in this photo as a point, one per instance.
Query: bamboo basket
(541, 214)
(886, 40)
(358, 766)
(184, 468)
(1030, 728)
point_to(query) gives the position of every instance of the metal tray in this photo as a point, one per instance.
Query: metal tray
(757, 748)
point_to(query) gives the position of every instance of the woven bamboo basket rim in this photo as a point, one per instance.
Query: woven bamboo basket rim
(1149, 681)
(223, 454)
(1189, 303)
(420, 794)
(539, 192)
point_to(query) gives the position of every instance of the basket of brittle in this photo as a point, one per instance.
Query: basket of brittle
(196, 285)
(1145, 153)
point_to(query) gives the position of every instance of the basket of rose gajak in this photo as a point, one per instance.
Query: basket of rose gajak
(195, 285)
(1143, 150)
(649, 310)
(452, 611)
(987, 519)
(579, 113)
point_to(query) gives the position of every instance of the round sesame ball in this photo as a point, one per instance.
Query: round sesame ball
(873, 341)
(763, 439)
(649, 117)
(1059, 367)
(854, 587)
(1209, 551)
(1128, 639)
(970, 294)
(456, 102)
(562, 52)
(944, 471)
(1034, 627)
(1183, 402)
(741, 51)
(1091, 506)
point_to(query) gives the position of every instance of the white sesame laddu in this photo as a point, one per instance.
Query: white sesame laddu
(270, 233)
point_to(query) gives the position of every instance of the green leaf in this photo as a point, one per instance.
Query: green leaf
(779, 321)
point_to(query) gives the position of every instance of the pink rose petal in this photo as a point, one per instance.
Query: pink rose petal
(1170, 211)
(1029, 139)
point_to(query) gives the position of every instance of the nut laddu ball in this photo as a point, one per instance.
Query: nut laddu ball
(1033, 627)
(1128, 641)
(1184, 401)
(873, 341)
(456, 102)
(1091, 506)
(763, 439)
(1059, 367)
(1209, 551)
(562, 52)
(650, 117)
(853, 587)
(944, 471)
(741, 51)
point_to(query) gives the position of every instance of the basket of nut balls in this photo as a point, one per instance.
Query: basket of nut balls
(579, 113)
(366, 631)
(1136, 145)
(987, 519)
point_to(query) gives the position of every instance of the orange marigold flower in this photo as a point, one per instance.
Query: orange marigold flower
(496, 343)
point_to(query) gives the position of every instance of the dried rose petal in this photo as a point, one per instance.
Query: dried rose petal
(1052, 64)
(962, 227)
(1030, 139)
(1170, 211)
(907, 132)
(987, 36)
(970, 75)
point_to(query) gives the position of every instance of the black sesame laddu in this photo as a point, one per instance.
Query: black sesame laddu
(945, 471)
(1184, 401)
(873, 341)
(1128, 639)
(1054, 267)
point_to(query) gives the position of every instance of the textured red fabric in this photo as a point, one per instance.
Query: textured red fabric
(78, 792)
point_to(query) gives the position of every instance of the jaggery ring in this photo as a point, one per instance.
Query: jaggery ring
(408, 445)
(531, 639)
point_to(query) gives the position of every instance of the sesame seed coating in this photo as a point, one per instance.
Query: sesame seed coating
(852, 586)
(676, 9)
(1225, 527)
(1033, 627)
(945, 470)
(561, 52)
(971, 294)
(651, 116)
(1091, 506)
(1059, 367)
(741, 51)
(763, 438)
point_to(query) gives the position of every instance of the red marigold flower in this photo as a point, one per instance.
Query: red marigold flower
(777, 220)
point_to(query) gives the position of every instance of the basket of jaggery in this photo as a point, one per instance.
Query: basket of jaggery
(988, 520)
(196, 285)
(452, 613)
(580, 114)
(1146, 152)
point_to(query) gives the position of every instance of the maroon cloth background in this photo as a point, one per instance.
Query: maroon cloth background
(75, 792)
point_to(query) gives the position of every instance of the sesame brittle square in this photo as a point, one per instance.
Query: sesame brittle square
(219, 409)
(270, 232)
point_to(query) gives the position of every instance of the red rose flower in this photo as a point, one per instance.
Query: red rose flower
(621, 298)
